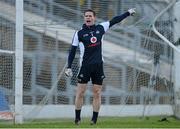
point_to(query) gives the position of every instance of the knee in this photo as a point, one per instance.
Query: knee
(96, 93)
(80, 93)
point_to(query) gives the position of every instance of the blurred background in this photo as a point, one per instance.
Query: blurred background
(138, 64)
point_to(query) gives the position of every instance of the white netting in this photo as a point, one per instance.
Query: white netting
(7, 63)
(138, 64)
(175, 45)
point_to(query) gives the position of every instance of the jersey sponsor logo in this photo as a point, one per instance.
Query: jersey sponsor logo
(94, 44)
(93, 39)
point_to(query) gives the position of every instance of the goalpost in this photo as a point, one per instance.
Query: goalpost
(19, 62)
(177, 61)
(176, 52)
(11, 53)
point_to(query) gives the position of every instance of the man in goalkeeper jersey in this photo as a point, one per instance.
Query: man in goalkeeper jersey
(89, 40)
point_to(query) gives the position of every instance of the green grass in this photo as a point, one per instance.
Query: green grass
(103, 122)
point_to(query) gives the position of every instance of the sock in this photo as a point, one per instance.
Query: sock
(94, 117)
(78, 114)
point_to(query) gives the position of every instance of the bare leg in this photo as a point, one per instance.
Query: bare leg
(81, 88)
(96, 102)
(97, 97)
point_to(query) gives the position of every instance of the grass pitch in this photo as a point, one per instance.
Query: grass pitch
(103, 122)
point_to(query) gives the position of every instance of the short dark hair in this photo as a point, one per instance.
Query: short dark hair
(90, 10)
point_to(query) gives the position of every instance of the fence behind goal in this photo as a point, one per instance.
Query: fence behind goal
(138, 64)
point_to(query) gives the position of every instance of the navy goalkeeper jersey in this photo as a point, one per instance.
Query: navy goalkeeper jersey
(89, 39)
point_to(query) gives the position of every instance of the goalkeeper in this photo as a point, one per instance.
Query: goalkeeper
(89, 40)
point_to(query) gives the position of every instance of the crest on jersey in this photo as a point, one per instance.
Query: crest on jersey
(93, 39)
(85, 35)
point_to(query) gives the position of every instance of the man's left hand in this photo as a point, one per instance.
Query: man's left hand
(68, 72)
(132, 11)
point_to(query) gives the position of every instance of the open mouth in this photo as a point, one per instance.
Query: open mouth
(88, 21)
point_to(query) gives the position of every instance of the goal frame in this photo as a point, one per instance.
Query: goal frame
(176, 49)
(18, 116)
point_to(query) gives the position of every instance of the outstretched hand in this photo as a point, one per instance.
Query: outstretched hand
(132, 11)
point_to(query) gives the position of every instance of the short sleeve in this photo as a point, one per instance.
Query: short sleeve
(105, 25)
(75, 40)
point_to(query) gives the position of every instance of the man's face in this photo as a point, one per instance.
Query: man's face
(89, 18)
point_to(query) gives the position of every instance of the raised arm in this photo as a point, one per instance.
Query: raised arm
(119, 18)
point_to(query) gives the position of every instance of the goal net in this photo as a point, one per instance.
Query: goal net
(139, 66)
(176, 48)
(7, 64)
